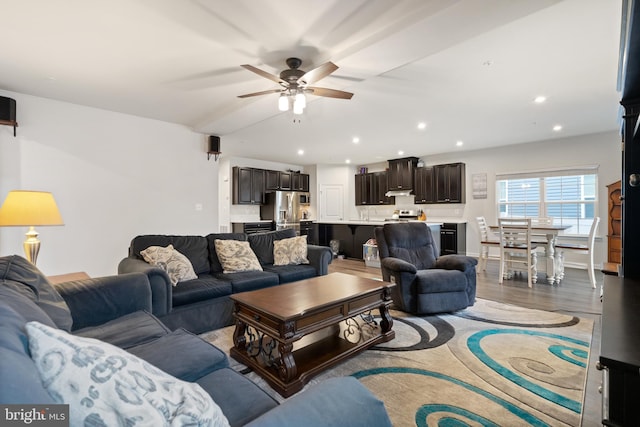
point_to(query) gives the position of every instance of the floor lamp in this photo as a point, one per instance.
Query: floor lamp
(28, 209)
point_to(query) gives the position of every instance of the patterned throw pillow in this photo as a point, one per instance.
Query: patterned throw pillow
(291, 251)
(177, 266)
(107, 386)
(235, 256)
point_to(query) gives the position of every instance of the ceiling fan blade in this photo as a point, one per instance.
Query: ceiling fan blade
(264, 92)
(330, 93)
(264, 74)
(318, 73)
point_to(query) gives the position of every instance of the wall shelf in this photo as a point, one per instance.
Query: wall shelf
(10, 123)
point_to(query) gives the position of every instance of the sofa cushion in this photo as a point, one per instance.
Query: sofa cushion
(20, 381)
(236, 256)
(292, 273)
(197, 357)
(245, 281)
(177, 266)
(205, 287)
(351, 403)
(21, 275)
(105, 385)
(126, 331)
(24, 305)
(262, 243)
(214, 261)
(227, 388)
(193, 247)
(291, 251)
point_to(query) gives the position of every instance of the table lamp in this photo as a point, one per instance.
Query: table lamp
(30, 208)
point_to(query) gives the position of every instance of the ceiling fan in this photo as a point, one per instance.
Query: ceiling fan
(295, 83)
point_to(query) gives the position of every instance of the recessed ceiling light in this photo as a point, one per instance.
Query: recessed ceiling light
(540, 99)
(459, 143)
(557, 128)
(422, 125)
(300, 152)
(347, 161)
(355, 139)
(400, 153)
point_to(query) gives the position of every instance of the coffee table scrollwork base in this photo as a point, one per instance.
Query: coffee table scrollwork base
(286, 351)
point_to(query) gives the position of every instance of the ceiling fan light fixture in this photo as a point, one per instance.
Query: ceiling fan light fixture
(299, 104)
(301, 99)
(283, 102)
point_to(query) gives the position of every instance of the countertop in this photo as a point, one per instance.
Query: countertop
(370, 222)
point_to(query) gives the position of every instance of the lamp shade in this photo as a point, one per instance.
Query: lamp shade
(29, 208)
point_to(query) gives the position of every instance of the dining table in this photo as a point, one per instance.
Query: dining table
(547, 235)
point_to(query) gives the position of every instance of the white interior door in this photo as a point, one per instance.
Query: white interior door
(331, 202)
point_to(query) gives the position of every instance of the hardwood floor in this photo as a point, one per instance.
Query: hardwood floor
(573, 296)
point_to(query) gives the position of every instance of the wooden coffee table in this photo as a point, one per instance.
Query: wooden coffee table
(331, 313)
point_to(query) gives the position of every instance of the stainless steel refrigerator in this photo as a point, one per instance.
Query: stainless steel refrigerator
(286, 208)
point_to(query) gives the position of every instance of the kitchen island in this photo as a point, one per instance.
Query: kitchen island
(353, 234)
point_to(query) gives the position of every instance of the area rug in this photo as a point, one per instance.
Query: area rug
(489, 365)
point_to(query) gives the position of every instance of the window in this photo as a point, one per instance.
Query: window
(569, 197)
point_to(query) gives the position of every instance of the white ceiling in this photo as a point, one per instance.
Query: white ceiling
(470, 69)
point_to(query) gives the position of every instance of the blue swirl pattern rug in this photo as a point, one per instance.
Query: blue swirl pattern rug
(488, 365)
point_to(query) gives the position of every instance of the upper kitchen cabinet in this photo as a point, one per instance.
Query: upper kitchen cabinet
(300, 182)
(423, 185)
(371, 189)
(271, 180)
(450, 183)
(248, 186)
(400, 174)
(380, 188)
(286, 181)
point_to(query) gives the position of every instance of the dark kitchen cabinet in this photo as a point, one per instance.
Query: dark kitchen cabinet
(400, 174)
(379, 198)
(450, 183)
(271, 180)
(252, 227)
(309, 229)
(277, 180)
(300, 182)
(248, 186)
(286, 181)
(362, 184)
(423, 185)
(371, 189)
(453, 238)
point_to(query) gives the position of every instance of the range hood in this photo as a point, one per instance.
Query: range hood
(394, 193)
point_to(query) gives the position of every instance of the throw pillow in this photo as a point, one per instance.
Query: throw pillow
(177, 266)
(105, 385)
(236, 256)
(292, 251)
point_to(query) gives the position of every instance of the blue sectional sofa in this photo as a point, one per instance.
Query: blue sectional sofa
(115, 310)
(203, 304)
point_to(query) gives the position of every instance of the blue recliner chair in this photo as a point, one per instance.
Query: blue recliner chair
(425, 283)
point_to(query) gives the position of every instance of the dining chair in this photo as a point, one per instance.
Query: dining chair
(541, 221)
(517, 252)
(487, 240)
(584, 249)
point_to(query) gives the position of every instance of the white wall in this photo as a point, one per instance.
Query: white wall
(114, 176)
